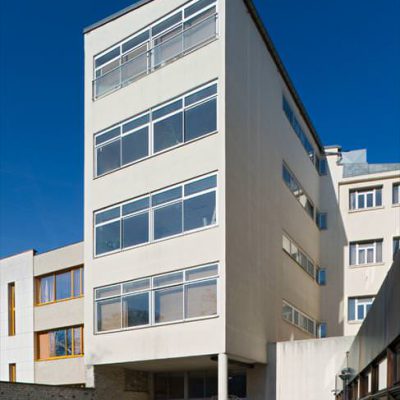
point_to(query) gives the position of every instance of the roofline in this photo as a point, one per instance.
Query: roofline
(60, 247)
(267, 40)
(33, 251)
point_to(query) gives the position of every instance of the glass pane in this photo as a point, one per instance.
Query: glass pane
(200, 120)
(77, 282)
(135, 123)
(360, 312)
(46, 289)
(396, 245)
(168, 132)
(109, 314)
(136, 206)
(286, 244)
(167, 23)
(378, 197)
(168, 279)
(107, 57)
(200, 29)
(108, 157)
(168, 304)
(112, 133)
(161, 386)
(353, 252)
(197, 7)
(135, 286)
(370, 200)
(166, 196)
(60, 342)
(69, 342)
(370, 256)
(352, 200)
(77, 341)
(196, 383)
(136, 41)
(169, 108)
(63, 285)
(109, 291)
(107, 215)
(201, 94)
(361, 201)
(108, 82)
(294, 251)
(201, 299)
(108, 237)
(396, 194)
(199, 211)
(202, 272)
(361, 256)
(135, 146)
(168, 47)
(135, 310)
(176, 386)
(378, 252)
(211, 389)
(134, 66)
(135, 230)
(168, 221)
(287, 312)
(200, 185)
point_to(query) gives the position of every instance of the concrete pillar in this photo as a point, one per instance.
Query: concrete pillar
(222, 376)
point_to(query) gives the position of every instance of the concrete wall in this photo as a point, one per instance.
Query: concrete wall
(307, 369)
(259, 205)
(18, 349)
(68, 371)
(180, 164)
(20, 391)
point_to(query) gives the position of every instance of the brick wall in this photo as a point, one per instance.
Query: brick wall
(26, 391)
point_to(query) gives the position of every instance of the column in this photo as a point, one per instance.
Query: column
(222, 376)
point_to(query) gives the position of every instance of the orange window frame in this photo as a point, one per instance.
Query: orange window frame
(11, 309)
(72, 288)
(73, 355)
(12, 372)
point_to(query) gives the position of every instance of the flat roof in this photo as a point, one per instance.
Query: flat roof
(267, 40)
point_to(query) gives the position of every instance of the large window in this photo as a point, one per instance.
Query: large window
(60, 343)
(59, 286)
(293, 184)
(369, 252)
(176, 296)
(396, 193)
(298, 318)
(164, 41)
(298, 255)
(359, 307)
(169, 212)
(178, 121)
(318, 161)
(365, 198)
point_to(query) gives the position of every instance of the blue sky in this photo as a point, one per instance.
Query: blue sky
(343, 56)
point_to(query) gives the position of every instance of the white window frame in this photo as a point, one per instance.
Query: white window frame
(150, 126)
(300, 316)
(364, 193)
(396, 188)
(363, 247)
(363, 301)
(184, 283)
(151, 210)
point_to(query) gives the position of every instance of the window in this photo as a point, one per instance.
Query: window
(298, 255)
(319, 162)
(166, 40)
(365, 198)
(362, 253)
(322, 220)
(169, 212)
(321, 276)
(178, 121)
(60, 343)
(59, 286)
(11, 309)
(396, 193)
(175, 296)
(293, 184)
(396, 245)
(12, 372)
(322, 330)
(359, 307)
(296, 317)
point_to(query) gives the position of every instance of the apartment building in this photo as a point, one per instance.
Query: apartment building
(202, 210)
(41, 315)
(364, 209)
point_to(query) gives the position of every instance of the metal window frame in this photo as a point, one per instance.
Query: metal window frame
(301, 315)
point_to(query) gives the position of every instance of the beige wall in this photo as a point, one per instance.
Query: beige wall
(180, 164)
(68, 371)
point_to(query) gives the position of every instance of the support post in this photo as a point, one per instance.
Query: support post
(222, 376)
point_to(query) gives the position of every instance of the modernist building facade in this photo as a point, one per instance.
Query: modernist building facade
(215, 221)
(41, 309)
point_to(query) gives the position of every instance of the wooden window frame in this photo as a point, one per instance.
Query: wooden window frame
(73, 355)
(12, 372)
(38, 279)
(11, 309)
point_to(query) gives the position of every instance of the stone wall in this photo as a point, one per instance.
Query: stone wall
(27, 391)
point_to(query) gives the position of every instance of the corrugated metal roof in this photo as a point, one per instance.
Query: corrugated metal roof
(267, 40)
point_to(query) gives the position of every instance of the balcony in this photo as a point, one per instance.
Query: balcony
(141, 61)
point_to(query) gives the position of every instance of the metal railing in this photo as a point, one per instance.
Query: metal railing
(175, 47)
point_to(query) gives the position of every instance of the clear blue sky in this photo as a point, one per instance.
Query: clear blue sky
(343, 56)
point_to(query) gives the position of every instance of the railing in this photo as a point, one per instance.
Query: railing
(174, 47)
